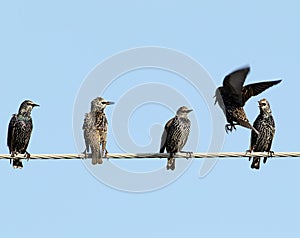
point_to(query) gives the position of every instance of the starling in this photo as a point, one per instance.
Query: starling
(95, 130)
(232, 97)
(265, 125)
(175, 135)
(19, 132)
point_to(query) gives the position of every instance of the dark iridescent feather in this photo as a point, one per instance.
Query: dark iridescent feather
(19, 132)
(175, 135)
(265, 125)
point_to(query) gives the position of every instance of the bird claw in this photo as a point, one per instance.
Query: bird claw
(229, 127)
(248, 151)
(85, 154)
(270, 154)
(104, 155)
(27, 155)
(188, 154)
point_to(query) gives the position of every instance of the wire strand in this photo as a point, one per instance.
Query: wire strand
(158, 155)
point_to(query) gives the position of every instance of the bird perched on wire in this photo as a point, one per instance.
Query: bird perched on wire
(175, 135)
(95, 130)
(265, 125)
(233, 95)
(19, 132)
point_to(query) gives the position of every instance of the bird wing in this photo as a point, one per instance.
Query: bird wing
(256, 88)
(165, 135)
(85, 128)
(28, 130)
(10, 133)
(254, 137)
(233, 84)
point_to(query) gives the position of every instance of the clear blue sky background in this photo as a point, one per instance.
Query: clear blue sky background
(47, 49)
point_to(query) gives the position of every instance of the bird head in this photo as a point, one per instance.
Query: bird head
(264, 106)
(183, 112)
(26, 107)
(99, 104)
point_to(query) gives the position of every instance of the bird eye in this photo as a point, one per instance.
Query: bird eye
(263, 104)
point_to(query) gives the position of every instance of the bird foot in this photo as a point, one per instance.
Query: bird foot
(270, 154)
(188, 154)
(230, 127)
(104, 154)
(14, 154)
(85, 153)
(27, 155)
(247, 152)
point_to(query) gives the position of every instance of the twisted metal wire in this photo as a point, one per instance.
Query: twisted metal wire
(157, 155)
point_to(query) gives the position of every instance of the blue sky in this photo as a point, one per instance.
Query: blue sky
(47, 52)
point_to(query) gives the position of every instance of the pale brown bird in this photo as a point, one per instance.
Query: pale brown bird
(95, 128)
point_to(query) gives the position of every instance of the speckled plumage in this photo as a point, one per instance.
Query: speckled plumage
(19, 132)
(175, 135)
(232, 97)
(95, 128)
(265, 125)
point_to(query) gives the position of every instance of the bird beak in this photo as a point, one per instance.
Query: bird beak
(188, 111)
(109, 103)
(35, 105)
(259, 105)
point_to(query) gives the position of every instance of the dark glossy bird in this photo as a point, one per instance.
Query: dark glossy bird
(265, 125)
(175, 135)
(233, 95)
(19, 132)
(95, 127)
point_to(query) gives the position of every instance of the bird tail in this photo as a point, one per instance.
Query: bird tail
(17, 164)
(255, 163)
(96, 157)
(247, 125)
(171, 162)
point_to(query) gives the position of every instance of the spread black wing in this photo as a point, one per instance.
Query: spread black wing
(233, 85)
(256, 88)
